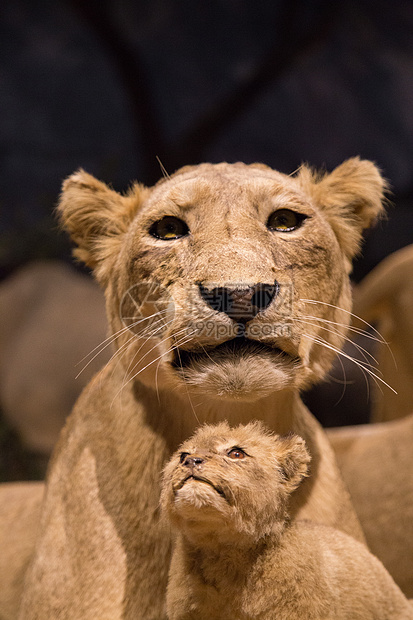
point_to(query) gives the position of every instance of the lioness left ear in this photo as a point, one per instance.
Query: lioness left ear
(351, 197)
(294, 460)
(97, 217)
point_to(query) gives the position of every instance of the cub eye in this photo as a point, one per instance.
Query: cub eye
(236, 453)
(285, 220)
(169, 228)
(183, 456)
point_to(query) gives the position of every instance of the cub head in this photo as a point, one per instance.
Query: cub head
(232, 481)
(228, 280)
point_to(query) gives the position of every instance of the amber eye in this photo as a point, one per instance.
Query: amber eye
(169, 228)
(236, 453)
(285, 220)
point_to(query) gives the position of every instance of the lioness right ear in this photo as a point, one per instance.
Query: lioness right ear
(351, 197)
(97, 217)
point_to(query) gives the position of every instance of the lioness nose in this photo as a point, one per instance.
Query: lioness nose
(193, 461)
(240, 304)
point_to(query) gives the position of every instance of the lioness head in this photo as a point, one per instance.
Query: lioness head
(234, 480)
(229, 280)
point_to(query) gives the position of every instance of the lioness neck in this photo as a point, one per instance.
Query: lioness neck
(163, 419)
(178, 415)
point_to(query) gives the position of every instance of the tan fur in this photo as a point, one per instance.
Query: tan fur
(385, 298)
(102, 552)
(237, 556)
(376, 460)
(377, 466)
(19, 518)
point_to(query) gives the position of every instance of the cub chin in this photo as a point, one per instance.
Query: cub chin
(237, 555)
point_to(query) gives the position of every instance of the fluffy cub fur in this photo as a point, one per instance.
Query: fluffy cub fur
(226, 492)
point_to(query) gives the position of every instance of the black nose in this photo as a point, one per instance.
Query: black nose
(193, 461)
(240, 304)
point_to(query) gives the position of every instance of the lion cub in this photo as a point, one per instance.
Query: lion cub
(226, 492)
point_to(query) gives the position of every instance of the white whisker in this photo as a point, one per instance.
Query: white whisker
(126, 381)
(356, 330)
(361, 349)
(186, 387)
(323, 303)
(163, 169)
(380, 338)
(360, 364)
(107, 342)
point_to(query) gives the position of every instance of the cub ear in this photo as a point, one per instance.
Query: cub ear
(97, 218)
(294, 460)
(351, 197)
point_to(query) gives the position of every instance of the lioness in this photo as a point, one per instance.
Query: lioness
(236, 553)
(227, 292)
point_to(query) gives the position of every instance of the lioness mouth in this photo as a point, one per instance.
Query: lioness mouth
(237, 347)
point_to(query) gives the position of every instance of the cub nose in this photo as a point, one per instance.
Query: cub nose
(240, 304)
(193, 461)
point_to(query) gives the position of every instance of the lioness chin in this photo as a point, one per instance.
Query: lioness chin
(227, 291)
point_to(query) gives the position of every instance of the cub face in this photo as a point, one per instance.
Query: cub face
(232, 481)
(227, 280)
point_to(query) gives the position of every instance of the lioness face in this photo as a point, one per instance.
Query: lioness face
(228, 280)
(235, 479)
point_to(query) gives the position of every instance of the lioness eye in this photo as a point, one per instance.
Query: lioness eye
(169, 227)
(285, 220)
(183, 456)
(236, 453)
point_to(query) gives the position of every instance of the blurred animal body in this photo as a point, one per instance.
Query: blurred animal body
(377, 465)
(50, 318)
(385, 298)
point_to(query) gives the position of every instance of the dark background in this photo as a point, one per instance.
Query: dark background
(111, 85)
